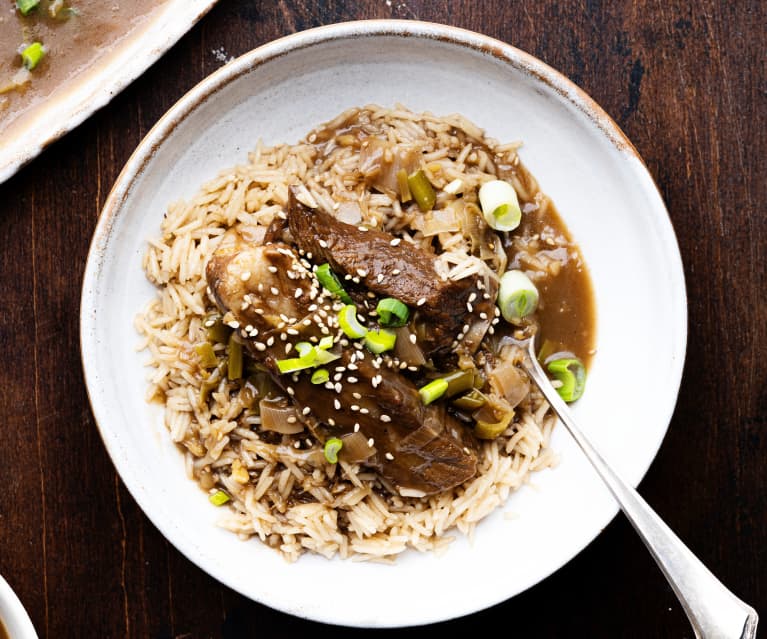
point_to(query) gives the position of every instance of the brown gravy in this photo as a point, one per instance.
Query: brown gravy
(74, 41)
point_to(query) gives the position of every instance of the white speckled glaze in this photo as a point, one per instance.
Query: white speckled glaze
(13, 615)
(602, 190)
(46, 122)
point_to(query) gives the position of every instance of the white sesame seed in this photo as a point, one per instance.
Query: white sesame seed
(364, 410)
(288, 347)
(469, 307)
(356, 428)
(354, 407)
(338, 387)
(483, 316)
(299, 292)
(472, 297)
(362, 228)
(356, 395)
(486, 296)
(274, 290)
(245, 276)
(233, 324)
(385, 418)
(421, 302)
(290, 390)
(331, 421)
(412, 338)
(271, 269)
(306, 410)
(270, 341)
(291, 420)
(260, 346)
(291, 331)
(351, 380)
(395, 241)
(396, 271)
(380, 277)
(362, 272)
(337, 404)
(389, 456)
(323, 243)
(371, 441)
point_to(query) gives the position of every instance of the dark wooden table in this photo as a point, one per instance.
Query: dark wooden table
(686, 82)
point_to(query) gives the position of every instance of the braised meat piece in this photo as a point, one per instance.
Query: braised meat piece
(446, 310)
(276, 301)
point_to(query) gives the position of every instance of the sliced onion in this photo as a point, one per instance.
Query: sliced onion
(405, 350)
(509, 383)
(355, 448)
(279, 416)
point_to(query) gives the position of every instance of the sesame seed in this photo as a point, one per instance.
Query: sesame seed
(347, 277)
(469, 307)
(486, 296)
(354, 407)
(395, 241)
(396, 271)
(270, 341)
(412, 338)
(233, 324)
(299, 292)
(364, 410)
(351, 380)
(380, 277)
(306, 410)
(385, 418)
(331, 421)
(356, 428)
(362, 272)
(421, 302)
(337, 404)
(291, 331)
(296, 444)
(260, 346)
(403, 365)
(338, 387)
(337, 377)
(291, 420)
(323, 243)
(362, 228)
(274, 290)
(288, 348)
(290, 390)
(329, 385)
(245, 276)
(271, 269)
(371, 441)
(389, 456)
(483, 316)
(466, 450)
(356, 395)
(472, 297)
(352, 366)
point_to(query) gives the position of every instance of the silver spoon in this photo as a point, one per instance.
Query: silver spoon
(715, 613)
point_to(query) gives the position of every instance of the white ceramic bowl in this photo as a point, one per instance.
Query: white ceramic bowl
(13, 615)
(601, 188)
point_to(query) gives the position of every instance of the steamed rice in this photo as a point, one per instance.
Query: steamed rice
(294, 507)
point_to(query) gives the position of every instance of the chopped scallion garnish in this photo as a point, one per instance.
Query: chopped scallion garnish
(219, 498)
(234, 370)
(25, 6)
(422, 190)
(433, 390)
(517, 296)
(572, 373)
(326, 342)
(500, 205)
(350, 323)
(392, 312)
(380, 340)
(32, 55)
(320, 376)
(309, 357)
(327, 278)
(332, 448)
(303, 348)
(206, 354)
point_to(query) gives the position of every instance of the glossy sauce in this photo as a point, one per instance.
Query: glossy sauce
(3, 632)
(74, 42)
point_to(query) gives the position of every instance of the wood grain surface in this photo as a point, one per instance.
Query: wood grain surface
(688, 85)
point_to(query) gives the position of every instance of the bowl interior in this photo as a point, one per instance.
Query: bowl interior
(601, 189)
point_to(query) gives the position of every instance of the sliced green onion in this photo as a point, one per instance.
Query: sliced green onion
(310, 356)
(206, 354)
(517, 296)
(459, 381)
(320, 376)
(326, 342)
(25, 6)
(217, 331)
(572, 373)
(331, 449)
(32, 55)
(380, 340)
(327, 278)
(392, 312)
(350, 323)
(491, 430)
(404, 189)
(303, 348)
(500, 205)
(472, 400)
(433, 390)
(422, 190)
(235, 358)
(219, 498)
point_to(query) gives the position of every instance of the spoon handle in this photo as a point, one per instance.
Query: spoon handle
(712, 609)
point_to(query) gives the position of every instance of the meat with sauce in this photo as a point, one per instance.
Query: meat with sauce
(275, 300)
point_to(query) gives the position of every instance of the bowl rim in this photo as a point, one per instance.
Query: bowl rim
(273, 49)
(13, 614)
